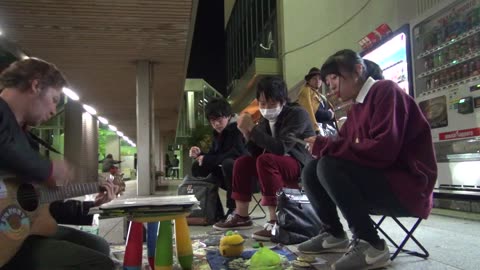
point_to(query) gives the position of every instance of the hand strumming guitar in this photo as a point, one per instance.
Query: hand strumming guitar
(108, 192)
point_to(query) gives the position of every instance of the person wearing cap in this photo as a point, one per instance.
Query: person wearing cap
(314, 102)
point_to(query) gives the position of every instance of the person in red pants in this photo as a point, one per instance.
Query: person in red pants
(275, 161)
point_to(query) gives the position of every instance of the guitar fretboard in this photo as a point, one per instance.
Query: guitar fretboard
(61, 193)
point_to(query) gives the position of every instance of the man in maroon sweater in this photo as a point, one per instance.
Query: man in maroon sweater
(382, 159)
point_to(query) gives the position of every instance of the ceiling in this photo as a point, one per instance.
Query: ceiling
(96, 44)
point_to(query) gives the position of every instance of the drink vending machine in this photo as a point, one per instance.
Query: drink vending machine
(445, 46)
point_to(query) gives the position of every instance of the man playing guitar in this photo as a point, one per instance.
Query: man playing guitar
(29, 92)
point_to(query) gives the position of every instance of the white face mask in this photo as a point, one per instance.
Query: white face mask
(271, 114)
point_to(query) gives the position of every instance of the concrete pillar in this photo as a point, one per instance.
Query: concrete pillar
(81, 142)
(144, 129)
(157, 145)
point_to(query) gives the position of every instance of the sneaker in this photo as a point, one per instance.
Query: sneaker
(362, 255)
(231, 211)
(234, 222)
(265, 234)
(324, 243)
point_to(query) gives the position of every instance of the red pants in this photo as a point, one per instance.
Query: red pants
(273, 173)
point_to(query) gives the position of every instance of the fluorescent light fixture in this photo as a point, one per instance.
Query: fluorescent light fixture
(113, 128)
(89, 109)
(70, 93)
(103, 120)
(119, 133)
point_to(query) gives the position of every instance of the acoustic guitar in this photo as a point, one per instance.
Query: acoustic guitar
(24, 211)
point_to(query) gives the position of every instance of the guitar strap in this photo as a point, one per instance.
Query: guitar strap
(43, 143)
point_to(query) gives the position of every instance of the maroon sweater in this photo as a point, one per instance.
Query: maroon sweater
(389, 132)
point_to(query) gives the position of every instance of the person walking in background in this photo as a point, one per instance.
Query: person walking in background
(175, 167)
(108, 163)
(167, 165)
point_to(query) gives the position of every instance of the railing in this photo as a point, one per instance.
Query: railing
(251, 32)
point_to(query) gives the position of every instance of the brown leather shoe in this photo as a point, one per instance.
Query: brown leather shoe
(234, 222)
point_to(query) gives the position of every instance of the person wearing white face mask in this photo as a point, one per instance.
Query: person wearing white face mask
(276, 160)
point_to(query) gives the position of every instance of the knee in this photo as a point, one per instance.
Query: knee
(228, 163)
(266, 159)
(102, 246)
(309, 173)
(242, 162)
(326, 169)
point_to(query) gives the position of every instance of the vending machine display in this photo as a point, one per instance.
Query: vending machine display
(392, 54)
(446, 73)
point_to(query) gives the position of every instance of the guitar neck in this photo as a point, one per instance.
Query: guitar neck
(62, 193)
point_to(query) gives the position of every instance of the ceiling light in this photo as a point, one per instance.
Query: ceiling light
(69, 92)
(103, 120)
(1, 33)
(89, 109)
(114, 128)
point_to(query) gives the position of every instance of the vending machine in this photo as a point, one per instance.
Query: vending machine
(393, 55)
(445, 46)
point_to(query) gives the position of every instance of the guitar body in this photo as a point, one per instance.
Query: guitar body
(21, 215)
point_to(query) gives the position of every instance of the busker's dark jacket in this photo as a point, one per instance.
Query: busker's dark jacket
(19, 156)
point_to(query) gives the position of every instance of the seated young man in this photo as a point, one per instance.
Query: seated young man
(382, 160)
(227, 145)
(276, 160)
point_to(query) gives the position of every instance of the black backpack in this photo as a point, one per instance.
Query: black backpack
(296, 219)
(205, 190)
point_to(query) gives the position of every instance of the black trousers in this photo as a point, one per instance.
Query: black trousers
(356, 190)
(223, 174)
(68, 249)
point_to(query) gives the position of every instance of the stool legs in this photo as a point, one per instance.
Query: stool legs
(152, 234)
(134, 248)
(163, 251)
(183, 243)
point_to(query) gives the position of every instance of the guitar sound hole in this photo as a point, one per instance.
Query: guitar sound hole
(27, 197)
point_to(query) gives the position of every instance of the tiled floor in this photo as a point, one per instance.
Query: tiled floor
(453, 243)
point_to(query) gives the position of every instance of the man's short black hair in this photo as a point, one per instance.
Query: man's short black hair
(273, 88)
(342, 62)
(218, 107)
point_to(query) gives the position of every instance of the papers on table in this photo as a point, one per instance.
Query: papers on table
(147, 206)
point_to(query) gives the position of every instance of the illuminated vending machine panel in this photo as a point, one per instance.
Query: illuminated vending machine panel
(392, 54)
(446, 71)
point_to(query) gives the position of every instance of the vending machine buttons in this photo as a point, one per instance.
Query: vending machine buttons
(465, 105)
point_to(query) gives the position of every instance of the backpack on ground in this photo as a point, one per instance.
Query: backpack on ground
(205, 190)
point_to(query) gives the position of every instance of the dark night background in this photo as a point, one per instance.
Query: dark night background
(207, 56)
